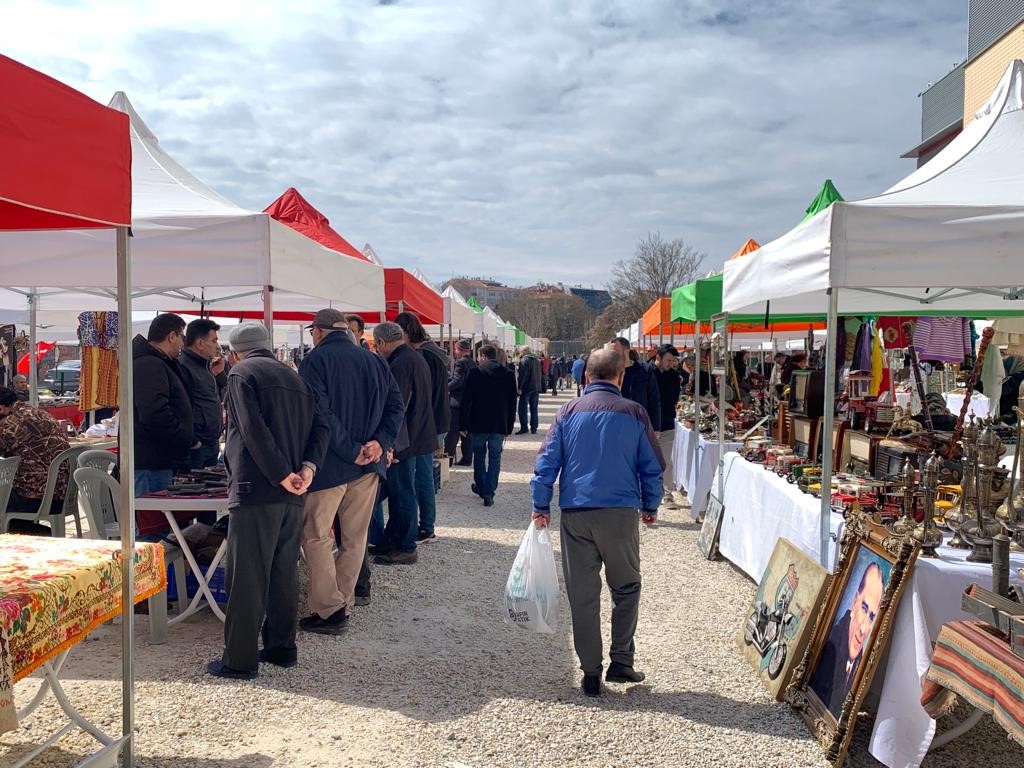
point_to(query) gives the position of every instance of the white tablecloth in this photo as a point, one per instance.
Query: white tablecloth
(761, 508)
(695, 477)
(903, 730)
(980, 405)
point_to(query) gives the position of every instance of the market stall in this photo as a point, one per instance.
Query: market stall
(695, 460)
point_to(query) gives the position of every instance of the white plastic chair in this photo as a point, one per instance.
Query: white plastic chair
(70, 506)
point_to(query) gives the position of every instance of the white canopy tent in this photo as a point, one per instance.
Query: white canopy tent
(945, 239)
(457, 313)
(192, 249)
(487, 323)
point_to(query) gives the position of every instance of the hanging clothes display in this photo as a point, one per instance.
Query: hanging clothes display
(893, 336)
(942, 338)
(878, 369)
(98, 381)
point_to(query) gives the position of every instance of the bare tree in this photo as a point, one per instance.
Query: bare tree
(550, 316)
(606, 327)
(657, 267)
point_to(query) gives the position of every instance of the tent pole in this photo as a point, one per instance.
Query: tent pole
(302, 344)
(696, 403)
(126, 439)
(33, 365)
(721, 417)
(268, 309)
(826, 430)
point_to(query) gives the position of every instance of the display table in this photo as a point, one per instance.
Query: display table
(67, 412)
(761, 508)
(973, 661)
(54, 592)
(903, 729)
(695, 478)
(192, 505)
(980, 405)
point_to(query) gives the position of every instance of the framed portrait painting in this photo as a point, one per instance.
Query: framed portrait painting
(851, 631)
(711, 528)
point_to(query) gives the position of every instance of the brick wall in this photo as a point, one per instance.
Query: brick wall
(982, 75)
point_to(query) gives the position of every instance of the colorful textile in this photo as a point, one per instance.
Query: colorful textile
(36, 438)
(97, 336)
(974, 661)
(893, 336)
(98, 329)
(877, 364)
(942, 338)
(53, 592)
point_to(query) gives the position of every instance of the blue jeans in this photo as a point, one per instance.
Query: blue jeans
(400, 532)
(489, 445)
(152, 480)
(532, 399)
(425, 495)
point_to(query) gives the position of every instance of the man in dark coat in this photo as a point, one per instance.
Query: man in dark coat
(360, 401)
(529, 392)
(414, 449)
(639, 384)
(202, 369)
(666, 373)
(489, 414)
(163, 411)
(464, 363)
(276, 443)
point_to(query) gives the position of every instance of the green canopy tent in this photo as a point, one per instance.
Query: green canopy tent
(474, 304)
(827, 195)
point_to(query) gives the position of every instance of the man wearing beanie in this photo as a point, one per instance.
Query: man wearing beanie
(276, 441)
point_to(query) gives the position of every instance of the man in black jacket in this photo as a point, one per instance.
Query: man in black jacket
(360, 401)
(415, 446)
(666, 373)
(489, 413)
(639, 384)
(202, 369)
(464, 363)
(437, 360)
(529, 392)
(276, 442)
(163, 410)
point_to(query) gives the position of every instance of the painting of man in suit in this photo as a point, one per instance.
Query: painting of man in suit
(848, 641)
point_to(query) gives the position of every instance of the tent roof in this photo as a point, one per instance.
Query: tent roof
(827, 195)
(459, 314)
(67, 159)
(191, 248)
(748, 247)
(293, 209)
(944, 240)
(404, 292)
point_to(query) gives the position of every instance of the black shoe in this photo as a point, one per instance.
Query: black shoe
(464, 463)
(474, 490)
(280, 657)
(521, 432)
(422, 538)
(334, 624)
(218, 668)
(488, 501)
(592, 685)
(378, 549)
(620, 673)
(362, 600)
(397, 558)
(533, 431)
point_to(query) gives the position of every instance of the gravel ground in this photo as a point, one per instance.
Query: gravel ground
(428, 675)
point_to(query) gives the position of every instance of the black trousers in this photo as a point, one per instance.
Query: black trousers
(263, 582)
(454, 440)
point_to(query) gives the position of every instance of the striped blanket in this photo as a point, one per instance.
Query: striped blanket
(974, 661)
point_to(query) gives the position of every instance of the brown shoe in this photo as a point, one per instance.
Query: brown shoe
(397, 558)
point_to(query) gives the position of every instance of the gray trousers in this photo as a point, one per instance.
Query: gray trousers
(590, 538)
(263, 582)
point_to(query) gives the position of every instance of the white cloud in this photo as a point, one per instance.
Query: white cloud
(531, 140)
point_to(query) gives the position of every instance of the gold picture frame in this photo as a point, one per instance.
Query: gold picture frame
(856, 618)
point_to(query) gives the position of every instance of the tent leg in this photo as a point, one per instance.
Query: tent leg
(268, 309)
(826, 430)
(126, 436)
(302, 344)
(696, 403)
(721, 420)
(33, 365)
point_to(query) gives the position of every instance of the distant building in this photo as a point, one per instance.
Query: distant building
(995, 36)
(489, 293)
(594, 298)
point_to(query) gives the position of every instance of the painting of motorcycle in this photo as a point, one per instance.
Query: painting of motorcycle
(778, 626)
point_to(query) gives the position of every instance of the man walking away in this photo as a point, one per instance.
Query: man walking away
(489, 409)
(358, 398)
(464, 363)
(579, 367)
(202, 370)
(415, 446)
(163, 411)
(529, 392)
(545, 369)
(604, 454)
(639, 384)
(666, 372)
(553, 369)
(437, 360)
(276, 441)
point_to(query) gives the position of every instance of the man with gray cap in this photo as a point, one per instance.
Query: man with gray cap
(417, 437)
(276, 442)
(464, 363)
(359, 399)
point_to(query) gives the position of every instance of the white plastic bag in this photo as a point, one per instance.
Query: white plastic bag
(531, 592)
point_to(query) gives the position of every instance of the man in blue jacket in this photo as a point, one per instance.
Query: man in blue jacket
(360, 400)
(604, 454)
(639, 384)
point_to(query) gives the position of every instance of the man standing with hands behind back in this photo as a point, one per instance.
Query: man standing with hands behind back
(276, 442)
(604, 454)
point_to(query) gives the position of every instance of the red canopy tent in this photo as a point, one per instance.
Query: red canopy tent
(42, 350)
(403, 292)
(65, 163)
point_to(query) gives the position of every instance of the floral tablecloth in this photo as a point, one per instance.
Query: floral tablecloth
(53, 592)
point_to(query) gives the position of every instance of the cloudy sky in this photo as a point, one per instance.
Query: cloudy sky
(521, 139)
